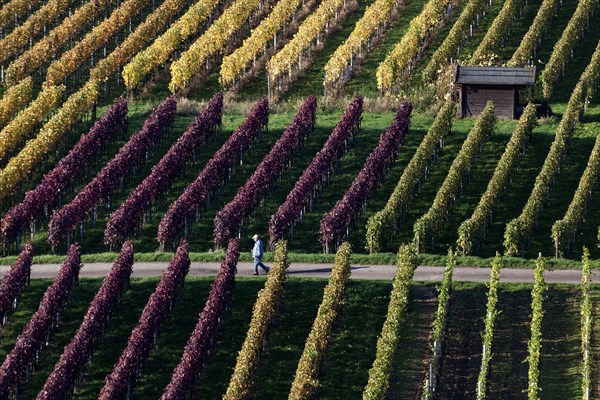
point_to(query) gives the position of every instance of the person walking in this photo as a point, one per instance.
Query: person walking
(257, 254)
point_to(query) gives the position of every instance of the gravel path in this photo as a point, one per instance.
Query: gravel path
(376, 272)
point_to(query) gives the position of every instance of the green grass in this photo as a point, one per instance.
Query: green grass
(352, 345)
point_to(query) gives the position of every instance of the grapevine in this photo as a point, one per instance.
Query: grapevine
(384, 221)
(435, 218)
(472, 231)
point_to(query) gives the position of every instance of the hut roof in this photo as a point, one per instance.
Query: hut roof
(495, 76)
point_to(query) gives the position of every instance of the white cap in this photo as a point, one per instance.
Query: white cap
(255, 237)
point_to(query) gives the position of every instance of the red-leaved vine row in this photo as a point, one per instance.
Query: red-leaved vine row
(290, 210)
(65, 171)
(125, 218)
(122, 378)
(69, 216)
(213, 173)
(334, 224)
(13, 282)
(61, 381)
(229, 219)
(37, 331)
(196, 350)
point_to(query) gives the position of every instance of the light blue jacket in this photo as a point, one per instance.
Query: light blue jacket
(257, 251)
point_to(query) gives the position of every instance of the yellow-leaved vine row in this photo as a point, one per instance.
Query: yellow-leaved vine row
(586, 326)
(373, 22)
(450, 47)
(283, 62)
(383, 223)
(21, 165)
(534, 345)
(564, 230)
(399, 62)
(142, 36)
(194, 60)
(15, 9)
(161, 50)
(234, 65)
(28, 119)
(435, 218)
(14, 99)
(488, 330)
(263, 313)
(495, 35)
(563, 49)
(74, 58)
(306, 380)
(387, 343)
(83, 100)
(438, 328)
(16, 41)
(49, 45)
(473, 230)
(533, 38)
(519, 230)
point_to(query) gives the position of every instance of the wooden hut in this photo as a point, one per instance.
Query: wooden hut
(477, 85)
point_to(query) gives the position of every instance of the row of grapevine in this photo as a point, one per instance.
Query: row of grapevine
(64, 173)
(563, 49)
(213, 173)
(14, 281)
(37, 331)
(69, 216)
(82, 101)
(263, 312)
(234, 65)
(125, 218)
(20, 166)
(228, 221)
(74, 58)
(142, 36)
(198, 345)
(519, 230)
(310, 31)
(472, 231)
(20, 128)
(12, 11)
(122, 378)
(533, 38)
(196, 58)
(306, 380)
(373, 22)
(383, 223)
(336, 223)
(439, 328)
(399, 62)
(586, 326)
(565, 229)
(534, 345)
(435, 218)
(159, 52)
(488, 331)
(61, 381)
(495, 35)
(15, 98)
(450, 47)
(387, 343)
(12, 44)
(46, 48)
(321, 164)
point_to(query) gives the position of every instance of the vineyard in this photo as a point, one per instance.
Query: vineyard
(177, 129)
